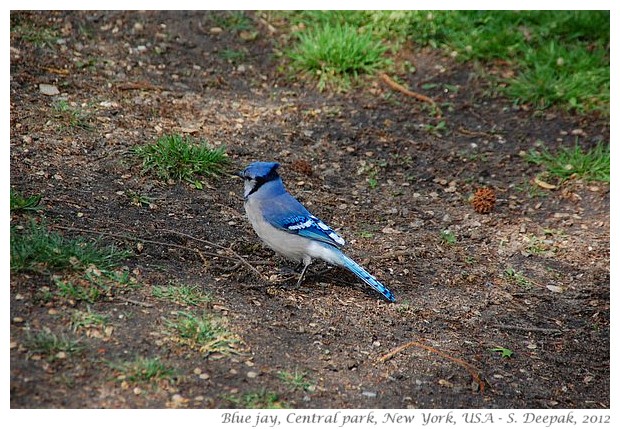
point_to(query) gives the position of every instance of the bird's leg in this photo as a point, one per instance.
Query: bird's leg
(303, 272)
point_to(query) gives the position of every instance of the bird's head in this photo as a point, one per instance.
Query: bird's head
(257, 174)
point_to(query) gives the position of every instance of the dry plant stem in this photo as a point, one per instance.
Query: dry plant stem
(226, 249)
(236, 256)
(134, 238)
(398, 87)
(527, 328)
(136, 85)
(461, 362)
(133, 301)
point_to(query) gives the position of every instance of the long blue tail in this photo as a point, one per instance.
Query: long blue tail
(356, 269)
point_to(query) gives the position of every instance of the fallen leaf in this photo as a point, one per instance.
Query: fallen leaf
(544, 184)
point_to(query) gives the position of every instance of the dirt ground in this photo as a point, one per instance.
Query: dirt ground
(532, 276)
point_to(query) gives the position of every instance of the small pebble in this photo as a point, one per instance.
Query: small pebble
(47, 89)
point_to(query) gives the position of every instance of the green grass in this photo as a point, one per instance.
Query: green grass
(337, 55)
(233, 56)
(34, 248)
(88, 319)
(516, 277)
(203, 332)
(559, 57)
(568, 76)
(259, 399)
(391, 26)
(78, 290)
(143, 370)
(556, 58)
(232, 20)
(138, 199)
(92, 284)
(296, 380)
(47, 343)
(181, 294)
(532, 191)
(30, 31)
(567, 162)
(30, 203)
(436, 129)
(505, 353)
(69, 116)
(448, 236)
(173, 157)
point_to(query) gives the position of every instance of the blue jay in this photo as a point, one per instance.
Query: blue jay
(288, 228)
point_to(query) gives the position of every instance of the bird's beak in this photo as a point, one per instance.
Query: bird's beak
(239, 174)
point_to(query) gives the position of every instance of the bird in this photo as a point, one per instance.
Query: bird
(289, 229)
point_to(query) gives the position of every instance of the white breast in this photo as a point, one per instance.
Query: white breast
(289, 245)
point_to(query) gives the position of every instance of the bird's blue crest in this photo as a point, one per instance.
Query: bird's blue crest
(259, 169)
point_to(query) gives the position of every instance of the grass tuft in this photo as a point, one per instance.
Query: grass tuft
(46, 342)
(539, 58)
(235, 21)
(142, 370)
(591, 165)
(29, 31)
(36, 249)
(447, 236)
(173, 157)
(337, 54)
(203, 332)
(181, 294)
(88, 319)
(70, 116)
(558, 57)
(296, 380)
(19, 202)
(517, 277)
(254, 400)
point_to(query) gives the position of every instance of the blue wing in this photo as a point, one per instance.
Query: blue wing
(286, 213)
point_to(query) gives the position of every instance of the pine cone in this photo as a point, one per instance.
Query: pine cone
(483, 200)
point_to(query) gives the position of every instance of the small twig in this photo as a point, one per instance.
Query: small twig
(131, 301)
(161, 243)
(233, 268)
(133, 238)
(467, 366)
(209, 243)
(465, 131)
(398, 87)
(527, 328)
(136, 85)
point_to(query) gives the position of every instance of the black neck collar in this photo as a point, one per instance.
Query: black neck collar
(260, 181)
